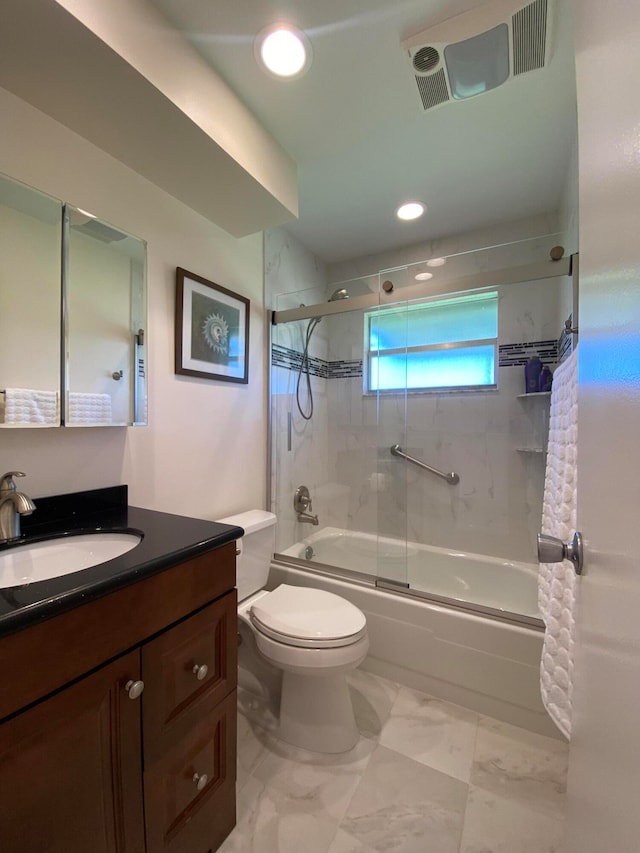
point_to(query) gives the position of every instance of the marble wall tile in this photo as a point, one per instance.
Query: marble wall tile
(521, 766)
(404, 806)
(494, 824)
(435, 733)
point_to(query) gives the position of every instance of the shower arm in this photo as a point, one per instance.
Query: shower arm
(452, 478)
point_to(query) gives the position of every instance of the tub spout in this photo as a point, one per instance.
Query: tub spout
(310, 519)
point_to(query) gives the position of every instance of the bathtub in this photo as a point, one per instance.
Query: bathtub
(491, 583)
(475, 655)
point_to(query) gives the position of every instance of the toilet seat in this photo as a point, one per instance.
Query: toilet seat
(307, 618)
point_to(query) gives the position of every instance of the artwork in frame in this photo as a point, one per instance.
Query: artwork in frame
(212, 330)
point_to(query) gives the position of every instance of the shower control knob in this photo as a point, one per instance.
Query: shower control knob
(201, 671)
(552, 550)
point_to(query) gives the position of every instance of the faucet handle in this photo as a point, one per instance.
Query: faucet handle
(6, 481)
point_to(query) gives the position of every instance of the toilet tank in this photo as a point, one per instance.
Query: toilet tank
(256, 549)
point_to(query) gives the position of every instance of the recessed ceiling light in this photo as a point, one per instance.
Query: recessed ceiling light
(410, 210)
(283, 50)
(424, 276)
(437, 262)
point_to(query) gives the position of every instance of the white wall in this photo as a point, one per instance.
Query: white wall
(204, 451)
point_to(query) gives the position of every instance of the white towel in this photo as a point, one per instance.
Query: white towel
(89, 409)
(28, 407)
(557, 586)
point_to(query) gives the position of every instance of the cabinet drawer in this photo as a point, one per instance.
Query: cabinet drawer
(187, 671)
(179, 817)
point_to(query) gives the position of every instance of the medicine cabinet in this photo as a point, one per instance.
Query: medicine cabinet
(72, 316)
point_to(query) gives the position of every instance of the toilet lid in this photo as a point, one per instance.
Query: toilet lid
(310, 616)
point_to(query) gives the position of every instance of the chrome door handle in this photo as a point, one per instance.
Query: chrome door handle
(552, 550)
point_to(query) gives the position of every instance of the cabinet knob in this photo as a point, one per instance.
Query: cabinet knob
(200, 672)
(200, 781)
(134, 688)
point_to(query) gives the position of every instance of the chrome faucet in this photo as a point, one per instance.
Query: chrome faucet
(301, 503)
(13, 504)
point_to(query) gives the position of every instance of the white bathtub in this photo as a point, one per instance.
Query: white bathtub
(502, 585)
(484, 663)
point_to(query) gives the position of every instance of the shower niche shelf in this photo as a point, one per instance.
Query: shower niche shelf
(538, 450)
(534, 394)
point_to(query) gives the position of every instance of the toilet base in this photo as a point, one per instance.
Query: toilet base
(316, 713)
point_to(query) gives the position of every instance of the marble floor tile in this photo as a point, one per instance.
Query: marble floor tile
(312, 782)
(494, 824)
(269, 822)
(436, 733)
(403, 806)
(345, 843)
(252, 749)
(520, 765)
(372, 699)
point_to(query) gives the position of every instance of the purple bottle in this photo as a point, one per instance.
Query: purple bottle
(532, 374)
(545, 379)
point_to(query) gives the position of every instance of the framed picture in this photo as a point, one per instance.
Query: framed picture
(212, 330)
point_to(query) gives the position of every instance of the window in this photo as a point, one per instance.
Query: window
(440, 344)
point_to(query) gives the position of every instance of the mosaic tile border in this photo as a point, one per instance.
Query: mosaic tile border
(517, 355)
(509, 355)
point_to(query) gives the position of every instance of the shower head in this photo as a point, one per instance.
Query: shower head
(341, 293)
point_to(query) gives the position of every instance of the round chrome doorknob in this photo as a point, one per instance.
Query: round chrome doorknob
(134, 688)
(200, 781)
(200, 672)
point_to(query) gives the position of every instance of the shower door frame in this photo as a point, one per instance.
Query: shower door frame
(566, 266)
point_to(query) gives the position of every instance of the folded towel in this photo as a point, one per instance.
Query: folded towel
(28, 407)
(557, 582)
(89, 409)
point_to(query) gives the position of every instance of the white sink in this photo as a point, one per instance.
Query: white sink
(56, 557)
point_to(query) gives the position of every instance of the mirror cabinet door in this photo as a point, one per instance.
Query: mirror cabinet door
(30, 306)
(105, 309)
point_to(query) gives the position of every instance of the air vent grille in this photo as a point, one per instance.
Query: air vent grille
(433, 89)
(426, 59)
(529, 37)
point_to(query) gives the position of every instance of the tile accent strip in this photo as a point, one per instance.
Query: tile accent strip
(516, 355)
(291, 359)
(509, 355)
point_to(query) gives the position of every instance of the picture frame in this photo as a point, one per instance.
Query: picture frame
(211, 330)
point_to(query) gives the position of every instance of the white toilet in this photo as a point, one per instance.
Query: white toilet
(306, 641)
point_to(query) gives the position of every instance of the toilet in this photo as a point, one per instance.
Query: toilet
(297, 644)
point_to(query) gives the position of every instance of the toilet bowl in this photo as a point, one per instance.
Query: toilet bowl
(308, 638)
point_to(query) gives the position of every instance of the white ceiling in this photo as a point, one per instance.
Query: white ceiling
(355, 125)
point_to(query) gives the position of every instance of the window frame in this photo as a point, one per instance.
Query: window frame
(449, 345)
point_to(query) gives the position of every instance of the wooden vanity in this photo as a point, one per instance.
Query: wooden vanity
(119, 718)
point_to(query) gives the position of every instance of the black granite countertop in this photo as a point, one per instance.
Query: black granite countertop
(166, 540)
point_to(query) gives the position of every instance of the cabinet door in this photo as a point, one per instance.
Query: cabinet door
(70, 774)
(190, 790)
(187, 670)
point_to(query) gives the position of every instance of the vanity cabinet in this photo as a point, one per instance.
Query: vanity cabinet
(89, 763)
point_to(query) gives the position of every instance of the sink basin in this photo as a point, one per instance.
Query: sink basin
(56, 557)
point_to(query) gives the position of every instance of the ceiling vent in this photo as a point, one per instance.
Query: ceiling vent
(479, 50)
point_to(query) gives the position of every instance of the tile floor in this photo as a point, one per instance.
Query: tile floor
(425, 777)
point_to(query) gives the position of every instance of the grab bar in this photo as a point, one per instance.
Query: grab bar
(451, 478)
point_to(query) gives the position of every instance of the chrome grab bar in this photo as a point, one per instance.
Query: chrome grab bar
(451, 478)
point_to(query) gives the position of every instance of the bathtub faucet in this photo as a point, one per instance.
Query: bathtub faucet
(301, 503)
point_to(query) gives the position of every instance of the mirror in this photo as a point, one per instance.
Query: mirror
(30, 306)
(72, 316)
